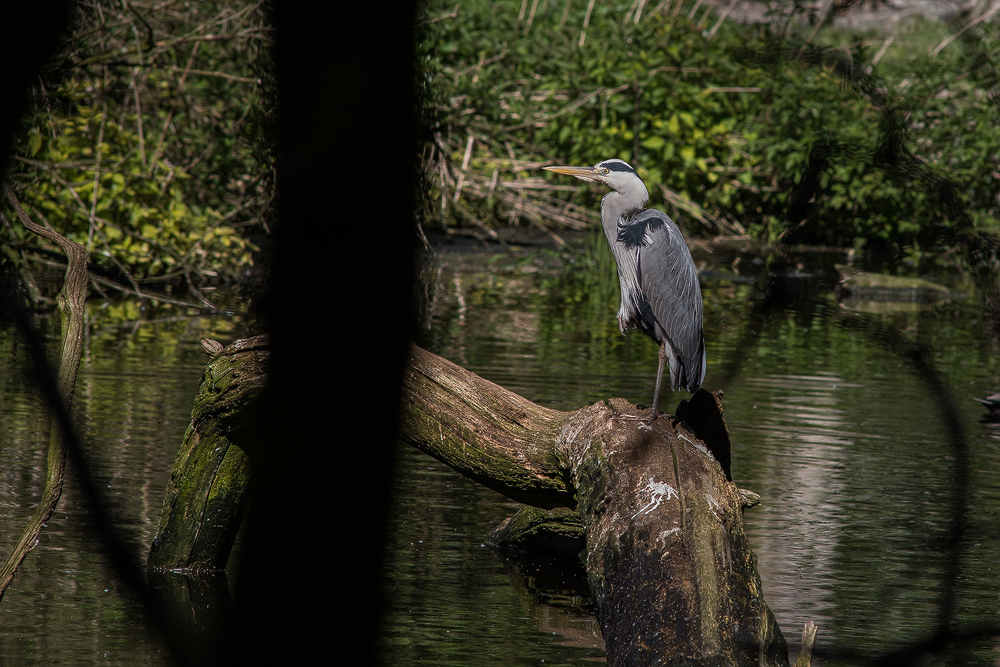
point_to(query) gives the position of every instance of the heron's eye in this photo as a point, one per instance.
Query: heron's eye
(605, 170)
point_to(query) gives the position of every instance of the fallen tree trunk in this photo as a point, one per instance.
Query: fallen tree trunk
(671, 573)
(670, 569)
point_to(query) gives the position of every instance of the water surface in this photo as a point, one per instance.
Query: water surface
(877, 522)
(133, 399)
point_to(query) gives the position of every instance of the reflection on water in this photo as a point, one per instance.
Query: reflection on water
(133, 400)
(830, 425)
(451, 600)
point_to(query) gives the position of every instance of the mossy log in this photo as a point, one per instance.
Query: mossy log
(206, 492)
(861, 285)
(670, 569)
(671, 572)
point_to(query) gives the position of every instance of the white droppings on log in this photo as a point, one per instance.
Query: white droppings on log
(697, 445)
(713, 503)
(658, 492)
(661, 540)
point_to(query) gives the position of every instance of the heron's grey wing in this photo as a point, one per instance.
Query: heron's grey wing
(668, 279)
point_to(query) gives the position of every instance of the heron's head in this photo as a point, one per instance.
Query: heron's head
(614, 173)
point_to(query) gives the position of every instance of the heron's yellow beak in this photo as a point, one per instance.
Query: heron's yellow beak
(588, 174)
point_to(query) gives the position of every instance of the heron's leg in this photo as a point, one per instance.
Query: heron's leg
(653, 413)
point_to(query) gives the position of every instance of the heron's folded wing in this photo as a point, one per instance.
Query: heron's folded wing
(669, 281)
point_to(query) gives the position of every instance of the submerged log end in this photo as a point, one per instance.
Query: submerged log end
(206, 492)
(557, 532)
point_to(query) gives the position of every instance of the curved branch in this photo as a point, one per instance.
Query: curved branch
(480, 429)
(71, 303)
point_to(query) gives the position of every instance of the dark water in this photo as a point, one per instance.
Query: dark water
(133, 400)
(878, 522)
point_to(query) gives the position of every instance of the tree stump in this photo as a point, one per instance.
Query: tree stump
(206, 492)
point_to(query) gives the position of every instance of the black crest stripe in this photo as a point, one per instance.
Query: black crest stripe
(617, 165)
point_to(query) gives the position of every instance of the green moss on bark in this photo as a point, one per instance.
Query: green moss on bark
(206, 492)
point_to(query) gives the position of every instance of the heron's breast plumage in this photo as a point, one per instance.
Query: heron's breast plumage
(633, 238)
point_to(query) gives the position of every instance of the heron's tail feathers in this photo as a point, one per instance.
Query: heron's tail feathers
(688, 373)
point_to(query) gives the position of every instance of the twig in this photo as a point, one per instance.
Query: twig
(662, 7)
(730, 89)
(704, 17)
(628, 14)
(482, 63)
(138, 117)
(951, 38)
(450, 15)
(722, 17)
(573, 106)
(692, 70)
(881, 52)
(97, 177)
(698, 213)
(565, 14)
(514, 214)
(465, 165)
(170, 114)
(107, 282)
(531, 14)
(196, 291)
(586, 22)
(638, 12)
(221, 75)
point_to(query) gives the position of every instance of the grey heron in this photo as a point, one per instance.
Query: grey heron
(659, 282)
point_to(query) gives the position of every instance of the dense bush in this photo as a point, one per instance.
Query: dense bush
(145, 141)
(755, 129)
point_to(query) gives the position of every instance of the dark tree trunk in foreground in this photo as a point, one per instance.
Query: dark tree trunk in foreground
(671, 571)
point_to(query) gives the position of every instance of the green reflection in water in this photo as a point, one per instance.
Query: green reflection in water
(133, 400)
(833, 428)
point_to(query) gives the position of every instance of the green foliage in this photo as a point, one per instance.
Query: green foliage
(736, 128)
(149, 151)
